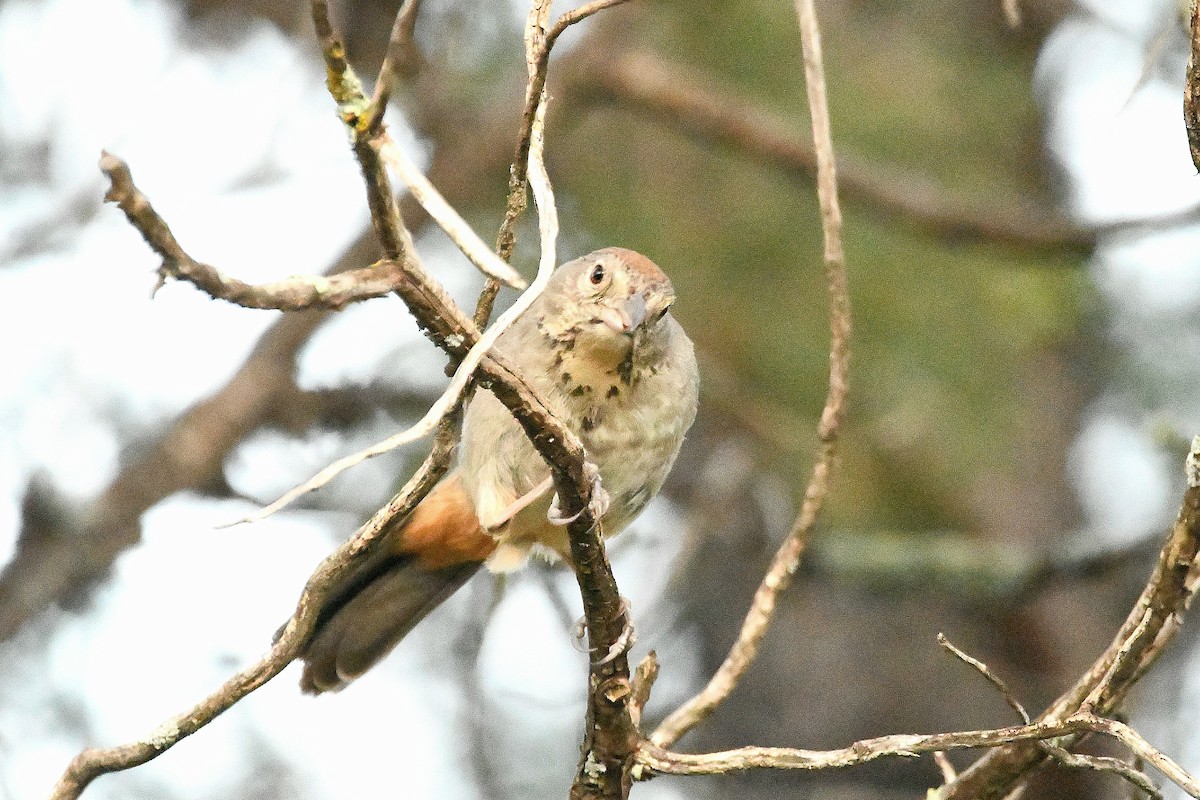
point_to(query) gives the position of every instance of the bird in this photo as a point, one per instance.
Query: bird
(601, 347)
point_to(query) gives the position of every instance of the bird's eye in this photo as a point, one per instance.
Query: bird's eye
(597, 276)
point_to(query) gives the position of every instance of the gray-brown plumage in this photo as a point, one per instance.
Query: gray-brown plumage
(604, 352)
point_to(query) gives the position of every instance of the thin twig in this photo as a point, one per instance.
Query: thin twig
(401, 56)
(745, 649)
(538, 44)
(991, 677)
(449, 220)
(1060, 754)
(450, 398)
(1135, 777)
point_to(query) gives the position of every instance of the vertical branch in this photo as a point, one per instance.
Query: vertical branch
(787, 558)
(1191, 89)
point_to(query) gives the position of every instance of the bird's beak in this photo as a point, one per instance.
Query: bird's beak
(628, 317)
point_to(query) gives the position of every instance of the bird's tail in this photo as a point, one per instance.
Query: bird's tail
(409, 574)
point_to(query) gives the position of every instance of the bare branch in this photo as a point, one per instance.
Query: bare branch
(455, 333)
(538, 44)
(645, 84)
(787, 558)
(1060, 754)
(293, 294)
(189, 454)
(655, 760)
(401, 58)
(463, 236)
(983, 670)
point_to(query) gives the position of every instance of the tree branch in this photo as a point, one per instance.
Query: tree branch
(655, 760)
(293, 294)
(1150, 626)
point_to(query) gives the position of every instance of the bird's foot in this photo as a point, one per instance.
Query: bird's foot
(597, 504)
(624, 642)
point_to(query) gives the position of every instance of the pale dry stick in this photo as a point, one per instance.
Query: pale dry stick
(538, 44)
(787, 558)
(944, 766)
(656, 760)
(94, 762)
(449, 220)
(355, 110)
(537, 63)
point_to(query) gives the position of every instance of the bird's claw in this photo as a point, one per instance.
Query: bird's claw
(624, 642)
(597, 504)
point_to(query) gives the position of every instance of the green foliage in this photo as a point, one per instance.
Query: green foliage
(945, 334)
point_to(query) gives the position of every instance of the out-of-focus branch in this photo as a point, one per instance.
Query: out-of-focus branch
(58, 564)
(787, 558)
(1150, 626)
(645, 84)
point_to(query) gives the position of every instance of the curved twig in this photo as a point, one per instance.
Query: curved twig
(754, 627)
(1149, 628)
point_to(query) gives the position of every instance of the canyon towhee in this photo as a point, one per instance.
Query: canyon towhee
(602, 349)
